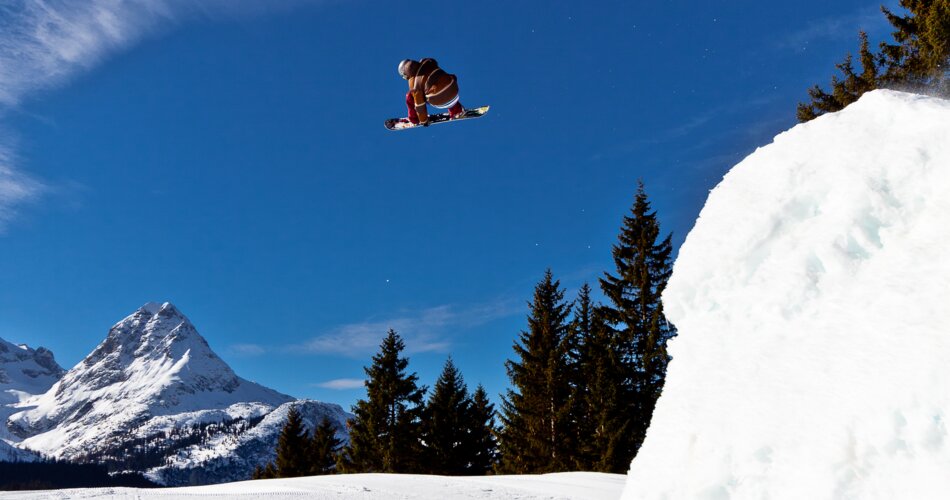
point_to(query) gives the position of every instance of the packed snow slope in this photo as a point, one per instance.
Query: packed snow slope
(566, 486)
(812, 299)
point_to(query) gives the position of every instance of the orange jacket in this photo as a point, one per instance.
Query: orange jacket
(432, 85)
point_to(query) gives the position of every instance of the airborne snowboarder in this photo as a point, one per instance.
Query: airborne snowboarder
(430, 84)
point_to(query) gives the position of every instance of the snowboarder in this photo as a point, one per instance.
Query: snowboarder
(429, 84)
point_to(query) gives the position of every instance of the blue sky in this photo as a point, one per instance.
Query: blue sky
(230, 157)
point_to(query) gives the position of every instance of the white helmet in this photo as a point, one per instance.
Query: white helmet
(405, 67)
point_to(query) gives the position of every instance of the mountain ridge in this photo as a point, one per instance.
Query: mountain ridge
(155, 380)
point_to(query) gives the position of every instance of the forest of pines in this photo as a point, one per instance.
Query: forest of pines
(584, 379)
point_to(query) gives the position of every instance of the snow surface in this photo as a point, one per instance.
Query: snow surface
(569, 485)
(812, 299)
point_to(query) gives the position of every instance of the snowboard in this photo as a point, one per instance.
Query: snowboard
(404, 123)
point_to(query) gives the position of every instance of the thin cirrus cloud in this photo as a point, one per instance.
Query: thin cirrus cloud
(246, 349)
(341, 384)
(45, 42)
(16, 188)
(42, 43)
(426, 330)
(869, 18)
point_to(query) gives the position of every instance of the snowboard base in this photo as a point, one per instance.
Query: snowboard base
(404, 123)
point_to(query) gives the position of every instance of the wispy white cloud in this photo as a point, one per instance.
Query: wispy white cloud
(45, 42)
(16, 187)
(341, 384)
(705, 125)
(868, 18)
(426, 330)
(247, 349)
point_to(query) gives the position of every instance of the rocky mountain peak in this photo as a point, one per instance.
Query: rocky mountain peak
(152, 363)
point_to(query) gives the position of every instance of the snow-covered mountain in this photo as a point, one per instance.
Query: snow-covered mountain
(811, 298)
(229, 457)
(24, 373)
(25, 370)
(153, 395)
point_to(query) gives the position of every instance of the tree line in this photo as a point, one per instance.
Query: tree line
(55, 474)
(394, 430)
(917, 58)
(585, 378)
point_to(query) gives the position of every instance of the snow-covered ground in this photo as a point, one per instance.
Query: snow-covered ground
(568, 485)
(812, 299)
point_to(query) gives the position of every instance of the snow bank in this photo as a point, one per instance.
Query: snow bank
(571, 485)
(813, 305)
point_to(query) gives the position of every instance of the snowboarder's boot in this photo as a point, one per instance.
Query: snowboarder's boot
(456, 110)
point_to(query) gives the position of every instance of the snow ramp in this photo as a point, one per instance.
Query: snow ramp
(812, 299)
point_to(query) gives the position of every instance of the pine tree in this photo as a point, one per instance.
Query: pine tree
(921, 54)
(385, 435)
(258, 472)
(481, 447)
(266, 472)
(293, 459)
(843, 91)
(536, 435)
(919, 58)
(270, 471)
(579, 370)
(324, 448)
(445, 425)
(635, 314)
(608, 425)
(596, 389)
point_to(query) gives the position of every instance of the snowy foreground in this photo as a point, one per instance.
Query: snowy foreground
(812, 299)
(568, 485)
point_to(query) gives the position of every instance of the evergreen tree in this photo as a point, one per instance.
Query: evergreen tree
(385, 435)
(843, 91)
(270, 471)
(258, 472)
(918, 58)
(481, 447)
(536, 425)
(921, 54)
(596, 389)
(634, 313)
(324, 448)
(293, 458)
(579, 370)
(445, 425)
(608, 425)
(267, 472)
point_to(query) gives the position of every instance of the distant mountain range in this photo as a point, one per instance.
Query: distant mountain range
(153, 397)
